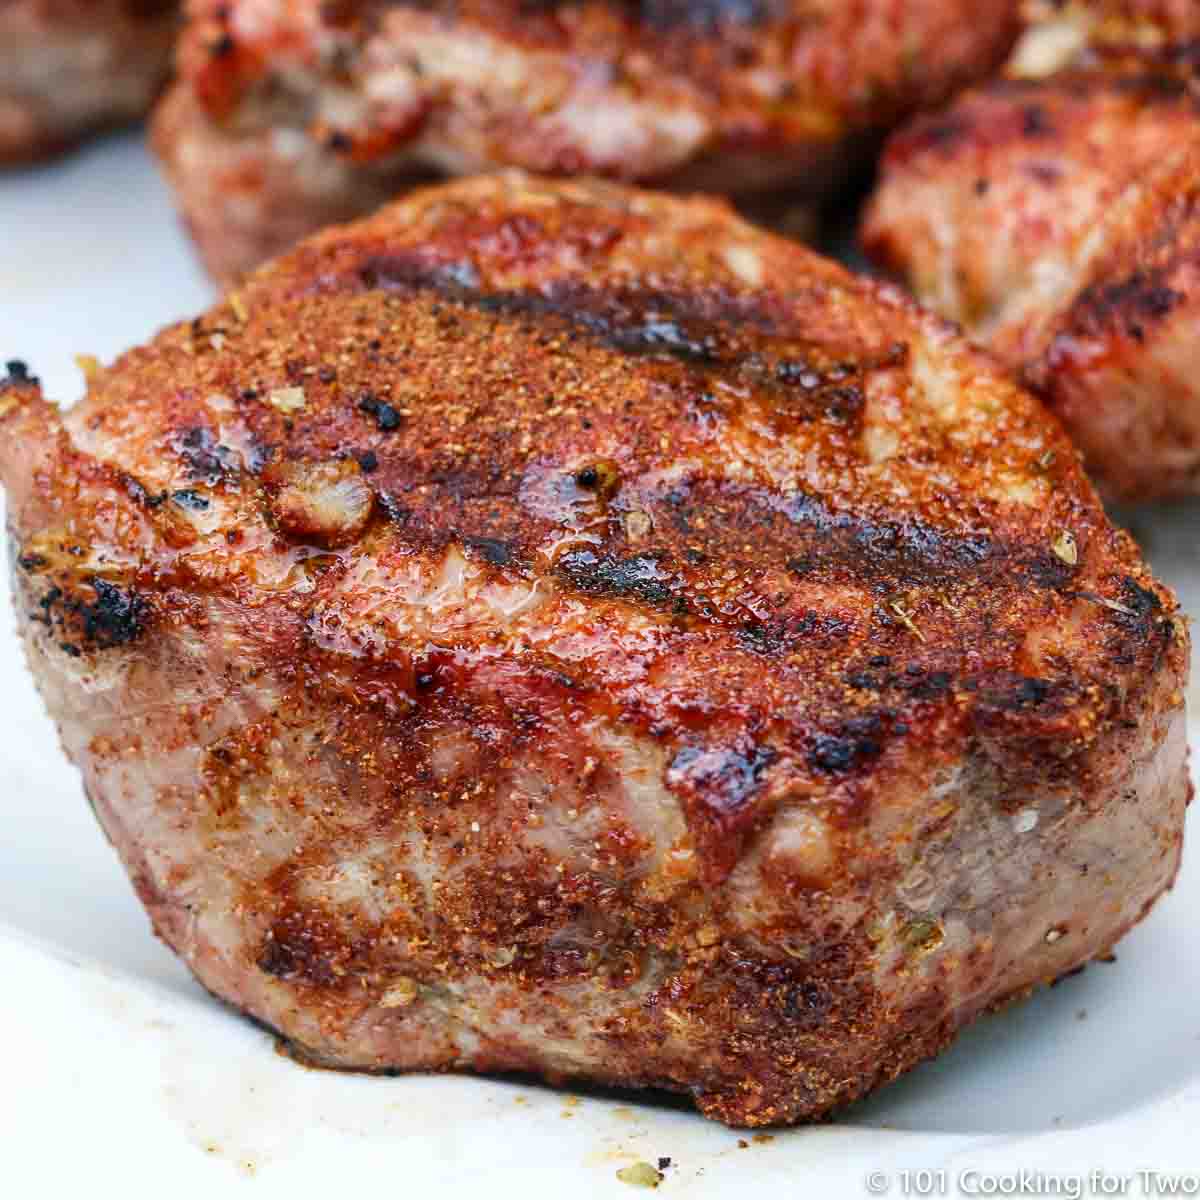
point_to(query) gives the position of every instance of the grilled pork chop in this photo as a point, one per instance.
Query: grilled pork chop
(559, 628)
(1057, 217)
(289, 116)
(70, 66)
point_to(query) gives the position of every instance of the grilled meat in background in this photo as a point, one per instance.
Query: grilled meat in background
(1055, 214)
(69, 67)
(289, 116)
(559, 628)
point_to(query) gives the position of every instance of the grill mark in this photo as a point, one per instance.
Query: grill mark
(816, 546)
(817, 541)
(1132, 300)
(700, 526)
(1038, 108)
(1129, 305)
(639, 577)
(707, 331)
(700, 16)
(710, 327)
(655, 330)
(492, 550)
(683, 326)
(799, 534)
(1143, 294)
(1147, 85)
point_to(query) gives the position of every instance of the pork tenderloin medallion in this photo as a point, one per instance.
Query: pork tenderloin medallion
(68, 67)
(1055, 214)
(552, 627)
(288, 116)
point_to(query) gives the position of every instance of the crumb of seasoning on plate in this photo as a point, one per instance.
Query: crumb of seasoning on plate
(640, 1174)
(287, 400)
(89, 364)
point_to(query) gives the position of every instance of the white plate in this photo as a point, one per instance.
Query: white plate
(119, 1070)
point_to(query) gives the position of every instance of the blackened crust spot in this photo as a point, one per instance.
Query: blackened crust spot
(857, 743)
(1015, 694)
(117, 616)
(387, 417)
(491, 550)
(207, 460)
(1030, 693)
(137, 492)
(784, 635)
(388, 272)
(641, 325)
(297, 951)
(190, 499)
(637, 578)
(1034, 122)
(944, 134)
(700, 16)
(804, 1004)
(1141, 600)
(17, 375)
(728, 779)
(1129, 305)
(690, 327)
(930, 686)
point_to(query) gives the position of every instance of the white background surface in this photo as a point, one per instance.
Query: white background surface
(120, 1072)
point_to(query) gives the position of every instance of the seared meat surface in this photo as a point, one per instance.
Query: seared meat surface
(290, 115)
(558, 628)
(68, 67)
(1056, 218)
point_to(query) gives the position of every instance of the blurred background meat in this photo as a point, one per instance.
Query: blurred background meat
(288, 116)
(68, 67)
(1055, 214)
